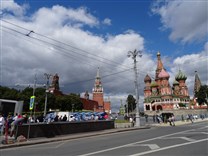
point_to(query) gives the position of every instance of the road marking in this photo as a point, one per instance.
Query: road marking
(165, 148)
(184, 138)
(113, 148)
(204, 133)
(195, 132)
(151, 146)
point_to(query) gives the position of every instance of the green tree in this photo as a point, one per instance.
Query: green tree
(25, 97)
(7, 93)
(202, 95)
(131, 103)
(63, 103)
(39, 99)
(69, 102)
(76, 102)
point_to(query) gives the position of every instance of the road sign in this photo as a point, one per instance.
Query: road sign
(32, 101)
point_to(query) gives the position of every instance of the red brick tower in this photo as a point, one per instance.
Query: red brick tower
(97, 92)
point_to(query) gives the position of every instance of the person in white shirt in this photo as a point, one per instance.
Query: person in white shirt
(2, 121)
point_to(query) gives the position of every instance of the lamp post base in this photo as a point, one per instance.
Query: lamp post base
(137, 121)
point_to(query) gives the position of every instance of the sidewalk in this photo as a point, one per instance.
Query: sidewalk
(178, 123)
(34, 141)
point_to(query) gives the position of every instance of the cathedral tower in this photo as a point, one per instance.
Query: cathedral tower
(197, 83)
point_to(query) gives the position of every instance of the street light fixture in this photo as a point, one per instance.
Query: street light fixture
(134, 54)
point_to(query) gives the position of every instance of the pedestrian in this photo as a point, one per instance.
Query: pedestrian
(173, 120)
(56, 118)
(159, 120)
(60, 118)
(191, 118)
(146, 117)
(182, 118)
(65, 118)
(153, 118)
(170, 120)
(2, 122)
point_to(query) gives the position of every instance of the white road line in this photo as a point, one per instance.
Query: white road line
(184, 138)
(195, 132)
(113, 148)
(151, 146)
(165, 148)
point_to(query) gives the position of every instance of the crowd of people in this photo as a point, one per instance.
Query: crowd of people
(10, 122)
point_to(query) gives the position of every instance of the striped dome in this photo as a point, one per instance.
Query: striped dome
(180, 76)
(163, 74)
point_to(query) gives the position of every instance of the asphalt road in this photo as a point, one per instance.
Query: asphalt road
(190, 140)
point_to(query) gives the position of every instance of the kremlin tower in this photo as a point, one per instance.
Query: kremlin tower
(98, 95)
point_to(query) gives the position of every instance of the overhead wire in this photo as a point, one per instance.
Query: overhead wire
(55, 45)
(94, 56)
(97, 56)
(58, 47)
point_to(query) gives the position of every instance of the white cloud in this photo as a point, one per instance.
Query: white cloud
(187, 20)
(107, 21)
(59, 16)
(191, 63)
(12, 7)
(22, 57)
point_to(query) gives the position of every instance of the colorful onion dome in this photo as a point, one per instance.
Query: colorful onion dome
(154, 84)
(175, 83)
(147, 78)
(180, 76)
(163, 74)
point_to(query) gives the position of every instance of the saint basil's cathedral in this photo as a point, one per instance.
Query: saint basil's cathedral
(160, 95)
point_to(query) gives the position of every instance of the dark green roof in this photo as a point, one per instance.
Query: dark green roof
(180, 76)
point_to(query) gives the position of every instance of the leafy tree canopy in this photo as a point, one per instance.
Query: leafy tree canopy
(130, 103)
(63, 103)
(202, 95)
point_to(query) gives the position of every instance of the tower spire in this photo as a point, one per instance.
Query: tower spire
(197, 83)
(159, 66)
(98, 85)
(98, 73)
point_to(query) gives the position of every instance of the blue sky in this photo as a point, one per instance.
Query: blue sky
(124, 15)
(102, 33)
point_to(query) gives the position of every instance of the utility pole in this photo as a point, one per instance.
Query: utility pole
(134, 54)
(47, 76)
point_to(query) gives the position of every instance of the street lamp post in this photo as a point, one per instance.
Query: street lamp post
(46, 94)
(134, 54)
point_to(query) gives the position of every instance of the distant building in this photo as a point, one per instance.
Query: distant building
(97, 103)
(160, 95)
(54, 87)
(89, 104)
